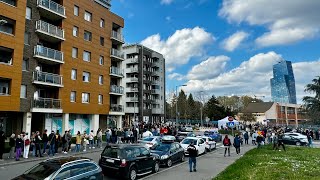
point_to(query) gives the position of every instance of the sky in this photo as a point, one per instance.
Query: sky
(226, 47)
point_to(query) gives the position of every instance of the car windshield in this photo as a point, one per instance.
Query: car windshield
(111, 152)
(148, 139)
(191, 135)
(40, 171)
(162, 147)
(188, 141)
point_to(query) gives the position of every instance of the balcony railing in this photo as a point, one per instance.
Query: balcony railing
(156, 82)
(47, 78)
(155, 91)
(116, 71)
(133, 70)
(133, 99)
(117, 36)
(105, 3)
(155, 101)
(155, 73)
(156, 111)
(134, 89)
(52, 6)
(117, 53)
(133, 60)
(46, 103)
(50, 29)
(116, 108)
(116, 89)
(47, 53)
(134, 79)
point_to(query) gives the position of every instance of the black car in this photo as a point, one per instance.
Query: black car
(128, 161)
(169, 153)
(291, 140)
(64, 168)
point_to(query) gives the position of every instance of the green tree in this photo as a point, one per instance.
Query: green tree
(213, 109)
(192, 109)
(312, 104)
(182, 105)
(247, 117)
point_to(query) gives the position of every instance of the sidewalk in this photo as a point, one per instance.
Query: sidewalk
(208, 166)
(7, 162)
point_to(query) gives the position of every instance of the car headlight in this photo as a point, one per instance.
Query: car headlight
(164, 157)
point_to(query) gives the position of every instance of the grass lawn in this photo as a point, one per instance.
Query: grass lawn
(296, 163)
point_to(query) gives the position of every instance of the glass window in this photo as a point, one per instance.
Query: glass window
(86, 77)
(11, 2)
(75, 52)
(100, 99)
(8, 26)
(101, 22)
(28, 13)
(86, 56)
(23, 92)
(85, 97)
(41, 171)
(87, 36)
(101, 41)
(75, 31)
(26, 38)
(87, 16)
(144, 151)
(73, 74)
(76, 10)
(73, 96)
(100, 79)
(101, 60)
(25, 64)
(6, 55)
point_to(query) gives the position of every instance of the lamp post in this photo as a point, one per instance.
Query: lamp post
(201, 109)
(177, 102)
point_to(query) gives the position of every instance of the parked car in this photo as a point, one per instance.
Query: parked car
(198, 143)
(297, 135)
(129, 161)
(169, 152)
(181, 135)
(292, 140)
(210, 143)
(215, 135)
(188, 128)
(149, 142)
(63, 168)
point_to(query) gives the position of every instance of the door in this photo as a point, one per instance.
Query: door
(173, 152)
(147, 159)
(202, 146)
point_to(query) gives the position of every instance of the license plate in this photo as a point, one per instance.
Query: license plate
(110, 160)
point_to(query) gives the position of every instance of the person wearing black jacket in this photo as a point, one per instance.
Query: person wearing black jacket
(37, 144)
(19, 146)
(12, 144)
(45, 141)
(2, 142)
(192, 150)
(227, 143)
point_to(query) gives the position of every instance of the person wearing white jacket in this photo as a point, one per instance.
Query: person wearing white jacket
(26, 142)
(91, 138)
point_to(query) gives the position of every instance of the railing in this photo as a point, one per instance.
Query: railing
(116, 89)
(155, 101)
(116, 108)
(105, 3)
(132, 70)
(134, 79)
(48, 53)
(133, 60)
(155, 73)
(134, 89)
(133, 99)
(155, 82)
(156, 111)
(116, 70)
(117, 53)
(53, 6)
(47, 77)
(50, 29)
(155, 91)
(47, 103)
(116, 35)
(155, 64)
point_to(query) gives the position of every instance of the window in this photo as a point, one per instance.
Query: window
(85, 97)
(87, 36)
(75, 52)
(101, 60)
(28, 13)
(86, 56)
(87, 16)
(25, 64)
(73, 96)
(100, 99)
(76, 10)
(6, 55)
(73, 74)
(23, 92)
(102, 23)
(86, 77)
(101, 41)
(5, 86)
(7, 25)
(26, 38)
(11, 2)
(100, 79)
(75, 31)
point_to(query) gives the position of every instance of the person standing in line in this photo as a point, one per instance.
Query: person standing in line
(237, 143)
(37, 143)
(69, 140)
(84, 141)
(63, 140)
(57, 141)
(254, 137)
(51, 143)
(246, 137)
(45, 141)
(108, 136)
(99, 138)
(19, 145)
(33, 144)
(91, 138)
(26, 146)
(12, 144)
(78, 142)
(66, 142)
(192, 150)
(227, 143)
(135, 135)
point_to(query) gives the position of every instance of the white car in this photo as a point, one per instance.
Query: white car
(188, 128)
(297, 135)
(198, 143)
(150, 141)
(209, 143)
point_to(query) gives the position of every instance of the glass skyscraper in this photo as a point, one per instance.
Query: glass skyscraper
(283, 88)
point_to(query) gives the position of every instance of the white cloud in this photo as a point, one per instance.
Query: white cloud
(232, 42)
(287, 21)
(176, 76)
(166, 2)
(180, 47)
(208, 69)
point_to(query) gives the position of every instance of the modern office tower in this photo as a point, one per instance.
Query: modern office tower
(283, 89)
(60, 76)
(144, 82)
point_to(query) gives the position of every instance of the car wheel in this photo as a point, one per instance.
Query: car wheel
(182, 158)
(298, 143)
(215, 146)
(169, 163)
(132, 174)
(205, 151)
(156, 167)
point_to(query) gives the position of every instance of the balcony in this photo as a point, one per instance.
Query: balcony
(46, 105)
(116, 54)
(134, 79)
(117, 37)
(155, 64)
(51, 10)
(116, 109)
(155, 73)
(133, 89)
(134, 99)
(104, 3)
(132, 61)
(133, 110)
(49, 32)
(47, 79)
(155, 101)
(155, 91)
(156, 82)
(47, 55)
(115, 71)
(156, 111)
(116, 90)
(133, 70)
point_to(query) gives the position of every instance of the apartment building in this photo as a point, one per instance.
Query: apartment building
(62, 71)
(144, 85)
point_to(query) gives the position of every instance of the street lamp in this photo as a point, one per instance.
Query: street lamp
(177, 102)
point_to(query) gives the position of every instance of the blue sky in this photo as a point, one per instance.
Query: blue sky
(226, 47)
